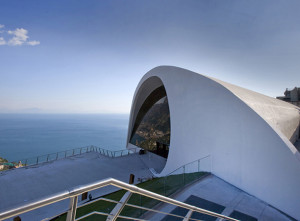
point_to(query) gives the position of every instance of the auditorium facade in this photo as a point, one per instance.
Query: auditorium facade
(184, 116)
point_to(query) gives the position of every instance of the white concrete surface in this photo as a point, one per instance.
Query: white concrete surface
(26, 184)
(248, 135)
(279, 114)
(218, 191)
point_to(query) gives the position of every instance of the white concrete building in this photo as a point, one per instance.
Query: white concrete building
(249, 136)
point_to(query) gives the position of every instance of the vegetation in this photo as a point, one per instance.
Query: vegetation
(164, 186)
(155, 126)
(3, 163)
(2, 160)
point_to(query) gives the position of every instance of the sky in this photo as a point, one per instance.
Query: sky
(59, 56)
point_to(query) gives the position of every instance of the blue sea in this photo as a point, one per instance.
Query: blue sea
(28, 135)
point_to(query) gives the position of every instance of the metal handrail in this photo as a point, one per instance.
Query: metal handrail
(75, 192)
(171, 173)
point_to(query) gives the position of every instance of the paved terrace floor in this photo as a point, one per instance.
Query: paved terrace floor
(216, 190)
(23, 185)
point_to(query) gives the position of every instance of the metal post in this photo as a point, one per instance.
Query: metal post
(26, 162)
(210, 159)
(47, 157)
(188, 215)
(141, 211)
(37, 160)
(165, 192)
(183, 175)
(113, 216)
(80, 150)
(72, 209)
(198, 165)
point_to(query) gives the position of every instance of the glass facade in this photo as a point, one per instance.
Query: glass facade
(152, 132)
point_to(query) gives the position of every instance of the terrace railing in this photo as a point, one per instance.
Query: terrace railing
(116, 153)
(72, 152)
(186, 174)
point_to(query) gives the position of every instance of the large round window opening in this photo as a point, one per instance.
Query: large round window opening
(151, 130)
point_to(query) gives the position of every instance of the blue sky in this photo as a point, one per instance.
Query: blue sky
(88, 56)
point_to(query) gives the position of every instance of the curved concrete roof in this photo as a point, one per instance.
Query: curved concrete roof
(279, 114)
(246, 134)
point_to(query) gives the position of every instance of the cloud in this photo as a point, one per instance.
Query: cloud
(19, 37)
(2, 41)
(33, 43)
(1, 26)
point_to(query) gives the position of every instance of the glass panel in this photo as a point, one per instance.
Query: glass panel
(52, 157)
(174, 181)
(191, 172)
(205, 164)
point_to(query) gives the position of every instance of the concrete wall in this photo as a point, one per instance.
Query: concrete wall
(247, 141)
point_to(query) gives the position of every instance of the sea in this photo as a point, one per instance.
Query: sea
(24, 136)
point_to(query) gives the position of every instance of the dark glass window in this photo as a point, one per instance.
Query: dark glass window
(153, 131)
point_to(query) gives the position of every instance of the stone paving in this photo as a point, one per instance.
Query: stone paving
(218, 191)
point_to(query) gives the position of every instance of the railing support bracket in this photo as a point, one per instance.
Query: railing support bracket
(72, 209)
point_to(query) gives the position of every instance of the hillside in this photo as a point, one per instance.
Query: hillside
(155, 126)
